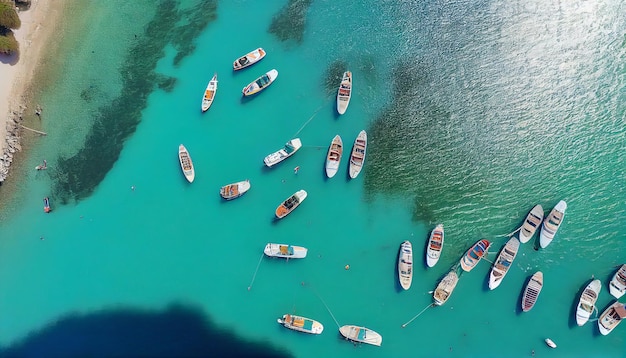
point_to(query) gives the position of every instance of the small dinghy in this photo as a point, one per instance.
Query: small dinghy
(361, 335)
(550, 343)
(301, 324)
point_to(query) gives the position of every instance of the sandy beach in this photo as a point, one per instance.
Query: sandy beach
(38, 23)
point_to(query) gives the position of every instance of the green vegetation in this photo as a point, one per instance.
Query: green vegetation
(8, 20)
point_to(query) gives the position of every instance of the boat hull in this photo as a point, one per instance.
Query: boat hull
(435, 246)
(186, 164)
(587, 301)
(260, 83)
(503, 262)
(344, 93)
(249, 59)
(617, 285)
(287, 151)
(357, 157)
(301, 324)
(550, 343)
(290, 204)
(405, 265)
(531, 224)
(333, 157)
(610, 318)
(209, 93)
(445, 288)
(361, 335)
(548, 231)
(285, 251)
(234, 190)
(473, 256)
(532, 291)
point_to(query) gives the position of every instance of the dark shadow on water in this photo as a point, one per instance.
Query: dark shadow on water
(177, 331)
(518, 303)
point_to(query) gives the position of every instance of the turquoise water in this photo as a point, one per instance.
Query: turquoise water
(475, 113)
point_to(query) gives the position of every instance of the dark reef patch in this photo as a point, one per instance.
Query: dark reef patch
(402, 141)
(76, 177)
(333, 75)
(177, 331)
(289, 23)
(166, 83)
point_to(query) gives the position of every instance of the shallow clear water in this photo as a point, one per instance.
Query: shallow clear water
(475, 113)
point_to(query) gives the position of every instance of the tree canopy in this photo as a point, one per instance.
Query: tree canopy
(8, 43)
(8, 16)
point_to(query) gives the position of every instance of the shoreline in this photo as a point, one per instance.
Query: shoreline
(38, 24)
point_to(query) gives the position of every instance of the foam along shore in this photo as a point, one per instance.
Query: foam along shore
(37, 27)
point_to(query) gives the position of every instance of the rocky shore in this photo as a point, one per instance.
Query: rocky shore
(11, 143)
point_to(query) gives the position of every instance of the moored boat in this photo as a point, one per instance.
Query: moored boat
(474, 254)
(209, 93)
(301, 324)
(445, 287)
(532, 290)
(435, 245)
(361, 335)
(550, 343)
(185, 163)
(503, 262)
(260, 83)
(617, 286)
(235, 190)
(287, 151)
(290, 204)
(405, 264)
(532, 222)
(285, 251)
(249, 59)
(587, 302)
(344, 92)
(333, 158)
(611, 317)
(551, 224)
(357, 157)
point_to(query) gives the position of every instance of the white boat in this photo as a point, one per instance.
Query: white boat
(249, 59)
(357, 157)
(435, 245)
(532, 222)
(285, 251)
(503, 262)
(551, 224)
(235, 190)
(611, 317)
(587, 302)
(361, 335)
(43, 166)
(445, 287)
(333, 158)
(405, 265)
(550, 343)
(532, 290)
(344, 92)
(209, 93)
(617, 286)
(290, 204)
(278, 156)
(185, 163)
(260, 83)
(474, 254)
(301, 324)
